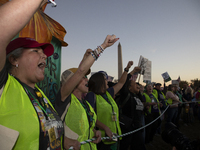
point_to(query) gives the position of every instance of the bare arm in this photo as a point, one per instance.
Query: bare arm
(14, 16)
(105, 128)
(86, 63)
(122, 80)
(175, 98)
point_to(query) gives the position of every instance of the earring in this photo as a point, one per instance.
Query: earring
(16, 65)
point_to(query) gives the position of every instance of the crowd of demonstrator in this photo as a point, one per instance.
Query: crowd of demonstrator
(84, 108)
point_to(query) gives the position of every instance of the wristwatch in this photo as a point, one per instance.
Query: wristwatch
(126, 69)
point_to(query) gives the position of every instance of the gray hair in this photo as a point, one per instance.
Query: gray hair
(16, 54)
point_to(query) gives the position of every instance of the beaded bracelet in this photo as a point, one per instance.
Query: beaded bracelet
(101, 49)
(96, 53)
(93, 55)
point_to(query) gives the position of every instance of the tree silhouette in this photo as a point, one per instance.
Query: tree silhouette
(195, 83)
(181, 84)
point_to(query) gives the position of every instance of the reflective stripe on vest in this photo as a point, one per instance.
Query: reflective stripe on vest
(104, 115)
(76, 119)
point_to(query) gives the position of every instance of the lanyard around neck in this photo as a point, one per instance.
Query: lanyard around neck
(84, 106)
(28, 92)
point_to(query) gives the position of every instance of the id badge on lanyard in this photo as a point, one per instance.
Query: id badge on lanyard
(51, 129)
(51, 126)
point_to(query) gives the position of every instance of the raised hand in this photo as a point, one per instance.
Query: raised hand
(130, 63)
(137, 69)
(109, 41)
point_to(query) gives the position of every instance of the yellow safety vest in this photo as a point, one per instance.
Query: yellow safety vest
(155, 92)
(104, 115)
(18, 113)
(148, 100)
(76, 119)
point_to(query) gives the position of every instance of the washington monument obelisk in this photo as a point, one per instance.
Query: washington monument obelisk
(120, 64)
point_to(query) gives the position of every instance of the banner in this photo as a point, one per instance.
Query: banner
(142, 64)
(166, 77)
(147, 73)
(175, 82)
(145, 66)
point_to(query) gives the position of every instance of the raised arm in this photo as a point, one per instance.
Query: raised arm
(135, 70)
(14, 16)
(122, 80)
(86, 63)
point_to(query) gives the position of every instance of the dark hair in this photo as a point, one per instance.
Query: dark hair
(111, 84)
(129, 84)
(97, 84)
(170, 87)
(147, 85)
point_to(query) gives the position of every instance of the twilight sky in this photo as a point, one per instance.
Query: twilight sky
(166, 32)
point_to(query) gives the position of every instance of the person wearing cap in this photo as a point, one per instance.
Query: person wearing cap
(26, 64)
(157, 91)
(24, 107)
(101, 99)
(153, 113)
(78, 116)
(160, 95)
